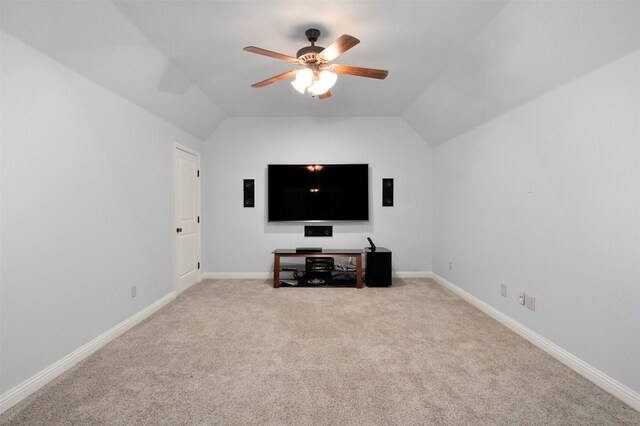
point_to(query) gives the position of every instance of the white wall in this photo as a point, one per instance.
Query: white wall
(238, 239)
(86, 210)
(574, 242)
(529, 48)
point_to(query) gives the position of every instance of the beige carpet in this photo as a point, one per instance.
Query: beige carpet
(240, 352)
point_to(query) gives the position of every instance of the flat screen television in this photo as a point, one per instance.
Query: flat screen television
(317, 192)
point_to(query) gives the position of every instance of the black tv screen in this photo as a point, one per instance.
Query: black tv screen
(318, 192)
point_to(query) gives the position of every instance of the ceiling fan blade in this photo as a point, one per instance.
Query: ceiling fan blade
(274, 79)
(338, 47)
(360, 72)
(325, 95)
(271, 54)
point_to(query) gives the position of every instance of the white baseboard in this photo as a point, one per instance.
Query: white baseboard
(413, 274)
(609, 384)
(237, 275)
(29, 386)
(269, 275)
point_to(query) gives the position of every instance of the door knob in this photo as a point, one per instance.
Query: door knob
(179, 230)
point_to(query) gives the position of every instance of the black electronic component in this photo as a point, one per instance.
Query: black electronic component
(387, 192)
(317, 192)
(319, 264)
(378, 267)
(308, 249)
(318, 231)
(249, 193)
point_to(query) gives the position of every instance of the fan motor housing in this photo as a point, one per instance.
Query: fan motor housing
(309, 54)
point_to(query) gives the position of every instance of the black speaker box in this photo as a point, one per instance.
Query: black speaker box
(377, 267)
(387, 192)
(249, 193)
(318, 231)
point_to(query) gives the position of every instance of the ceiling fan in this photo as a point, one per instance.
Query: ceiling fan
(317, 76)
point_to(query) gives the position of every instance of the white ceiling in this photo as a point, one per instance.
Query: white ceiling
(452, 64)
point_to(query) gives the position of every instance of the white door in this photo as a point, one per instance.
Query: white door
(187, 217)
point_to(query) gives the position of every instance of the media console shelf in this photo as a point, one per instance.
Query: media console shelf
(280, 253)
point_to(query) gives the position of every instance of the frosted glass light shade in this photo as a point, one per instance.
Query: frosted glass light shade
(303, 79)
(304, 76)
(317, 88)
(325, 82)
(328, 78)
(298, 86)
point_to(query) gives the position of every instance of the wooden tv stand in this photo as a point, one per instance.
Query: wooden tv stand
(279, 253)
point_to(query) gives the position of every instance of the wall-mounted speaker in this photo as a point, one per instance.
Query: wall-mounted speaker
(318, 231)
(249, 193)
(387, 192)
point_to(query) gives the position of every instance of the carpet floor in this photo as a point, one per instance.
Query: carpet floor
(240, 352)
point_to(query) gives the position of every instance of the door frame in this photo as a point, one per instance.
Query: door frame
(176, 281)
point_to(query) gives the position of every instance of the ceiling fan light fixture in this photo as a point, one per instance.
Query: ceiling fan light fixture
(318, 89)
(317, 77)
(325, 81)
(304, 78)
(328, 78)
(299, 86)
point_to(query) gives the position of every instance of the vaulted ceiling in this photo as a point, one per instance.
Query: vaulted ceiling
(453, 65)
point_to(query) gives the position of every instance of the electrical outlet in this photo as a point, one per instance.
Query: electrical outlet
(134, 291)
(503, 290)
(521, 298)
(451, 266)
(530, 302)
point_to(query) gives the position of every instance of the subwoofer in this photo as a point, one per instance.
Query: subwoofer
(377, 267)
